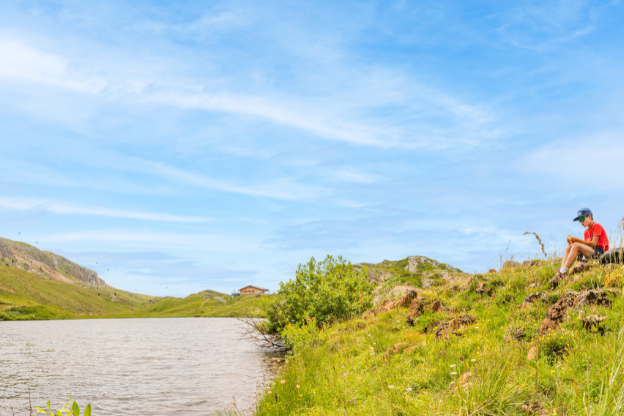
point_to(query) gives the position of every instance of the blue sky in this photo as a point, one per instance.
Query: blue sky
(209, 145)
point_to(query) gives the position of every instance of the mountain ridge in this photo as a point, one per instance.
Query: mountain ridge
(46, 264)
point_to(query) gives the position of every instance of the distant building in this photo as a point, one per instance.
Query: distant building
(253, 290)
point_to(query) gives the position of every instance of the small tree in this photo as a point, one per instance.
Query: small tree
(326, 291)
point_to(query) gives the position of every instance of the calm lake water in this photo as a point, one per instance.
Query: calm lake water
(186, 366)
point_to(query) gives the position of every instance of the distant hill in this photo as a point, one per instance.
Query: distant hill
(45, 264)
(37, 284)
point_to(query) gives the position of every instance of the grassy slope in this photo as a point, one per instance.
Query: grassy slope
(341, 369)
(24, 295)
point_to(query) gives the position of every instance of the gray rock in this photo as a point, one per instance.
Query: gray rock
(414, 261)
(427, 283)
(5, 251)
(382, 294)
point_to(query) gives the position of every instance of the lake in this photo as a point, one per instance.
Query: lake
(187, 366)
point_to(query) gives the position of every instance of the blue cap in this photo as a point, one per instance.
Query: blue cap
(583, 212)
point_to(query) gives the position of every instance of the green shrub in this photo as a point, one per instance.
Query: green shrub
(304, 334)
(328, 291)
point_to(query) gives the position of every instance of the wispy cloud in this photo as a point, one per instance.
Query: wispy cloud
(545, 24)
(280, 189)
(200, 242)
(343, 115)
(56, 207)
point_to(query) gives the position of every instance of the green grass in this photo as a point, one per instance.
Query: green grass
(27, 296)
(341, 370)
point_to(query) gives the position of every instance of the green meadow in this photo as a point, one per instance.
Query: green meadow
(28, 296)
(482, 353)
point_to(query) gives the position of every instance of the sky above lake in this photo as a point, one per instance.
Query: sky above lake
(185, 146)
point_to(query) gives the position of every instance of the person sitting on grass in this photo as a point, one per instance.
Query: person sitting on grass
(594, 245)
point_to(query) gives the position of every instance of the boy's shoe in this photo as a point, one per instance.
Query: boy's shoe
(554, 282)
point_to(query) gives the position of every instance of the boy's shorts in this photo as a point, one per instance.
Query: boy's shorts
(598, 251)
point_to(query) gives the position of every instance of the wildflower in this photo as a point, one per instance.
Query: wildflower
(344, 374)
(476, 327)
(453, 365)
(390, 387)
(352, 400)
(343, 366)
(270, 392)
(454, 373)
(409, 389)
(297, 385)
(283, 381)
(473, 360)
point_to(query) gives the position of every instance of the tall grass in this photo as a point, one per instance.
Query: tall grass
(382, 366)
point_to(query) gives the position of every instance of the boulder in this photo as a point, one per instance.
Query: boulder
(388, 305)
(532, 355)
(556, 313)
(450, 326)
(592, 298)
(592, 321)
(419, 306)
(579, 267)
(572, 299)
(394, 293)
(451, 278)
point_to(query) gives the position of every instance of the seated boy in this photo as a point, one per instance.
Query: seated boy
(594, 245)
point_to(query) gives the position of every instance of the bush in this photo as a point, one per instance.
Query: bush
(302, 334)
(327, 291)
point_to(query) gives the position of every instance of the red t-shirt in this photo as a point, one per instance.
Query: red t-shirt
(597, 230)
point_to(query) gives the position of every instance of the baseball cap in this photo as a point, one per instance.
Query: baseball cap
(583, 212)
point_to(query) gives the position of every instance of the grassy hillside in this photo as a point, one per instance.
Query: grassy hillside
(26, 295)
(478, 347)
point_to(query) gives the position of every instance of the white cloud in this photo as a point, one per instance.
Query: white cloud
(198, 242)
(282, 189)
(66, 209)
(344, 114)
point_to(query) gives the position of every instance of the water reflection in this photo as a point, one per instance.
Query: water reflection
(131, 366)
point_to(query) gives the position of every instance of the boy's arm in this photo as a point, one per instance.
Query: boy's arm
(592, 244)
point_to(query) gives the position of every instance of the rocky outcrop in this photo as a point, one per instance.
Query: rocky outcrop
(421, 305)
(450, 326)
(5, 251)
(572, 299)
(391, 304)
(48, 264)
(374, 276)
(382, 294)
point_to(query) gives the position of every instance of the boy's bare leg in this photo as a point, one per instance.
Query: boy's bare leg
(566, 255)
(575, 249)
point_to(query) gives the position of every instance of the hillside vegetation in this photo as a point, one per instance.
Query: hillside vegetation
(503, 343)
(28, 296)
